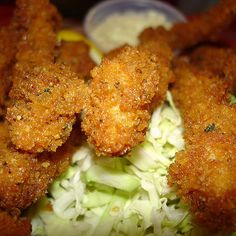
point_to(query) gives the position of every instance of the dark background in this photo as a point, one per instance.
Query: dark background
(77, 8)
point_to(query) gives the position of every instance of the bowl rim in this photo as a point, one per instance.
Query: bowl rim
(180, 17)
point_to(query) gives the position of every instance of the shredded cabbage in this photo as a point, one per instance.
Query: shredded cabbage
(119, 196)
(232, 99)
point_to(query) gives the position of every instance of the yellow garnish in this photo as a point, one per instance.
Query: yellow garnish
(74, 36)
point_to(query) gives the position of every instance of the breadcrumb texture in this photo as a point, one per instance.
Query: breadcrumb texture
(205, 172)
(44, 118)
(9, 35)
(76, 56)
(46, 96)
(122, 93)
(219, 61)
(205, 175)
(25, 177)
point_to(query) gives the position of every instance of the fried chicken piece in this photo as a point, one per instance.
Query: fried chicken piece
(5, 61)
(122, 93)
(39, 22)
(76, 56)
(9, 35)
(205, 172)
(10, 225)
(46, 96)
(24, 177)
(45, 122)
(206, 26)
(111, 126)
(220, 61)
(203, 100)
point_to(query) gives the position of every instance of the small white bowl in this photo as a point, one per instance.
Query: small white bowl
(101, 11)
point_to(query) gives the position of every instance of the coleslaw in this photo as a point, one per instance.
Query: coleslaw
(122, 195)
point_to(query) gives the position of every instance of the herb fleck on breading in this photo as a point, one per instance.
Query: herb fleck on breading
(47, 90)
(210, 128)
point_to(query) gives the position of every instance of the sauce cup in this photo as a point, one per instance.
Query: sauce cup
(100, 12)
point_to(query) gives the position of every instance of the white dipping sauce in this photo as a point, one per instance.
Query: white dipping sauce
(120, 28)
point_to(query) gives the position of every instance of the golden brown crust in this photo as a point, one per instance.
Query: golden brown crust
(203, 100)
(219, 61)
(76, 56)
(123, 91)
(5, 61)
(24, 177)
(205, 172)
(9, 36)
(45, 95)
(204, 27)
(44, 119)
(205, 175)
(12, 225)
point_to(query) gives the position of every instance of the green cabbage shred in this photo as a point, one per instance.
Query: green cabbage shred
(119, 196)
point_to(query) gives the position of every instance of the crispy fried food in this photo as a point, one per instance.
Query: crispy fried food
(24, 177)
(116, 116)
(205, 172)
(9, 35)
(206, 26)
(5, 61)
(45, 95)
(76, 56)
(124, 89)
(10, 225)
(220, 61)
(203, 100)
(45, 121)
(205, 175)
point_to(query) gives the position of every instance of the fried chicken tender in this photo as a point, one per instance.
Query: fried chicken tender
(10, 225)
(205, 175)
(9, 36)
(5, 61)
(206, 26)
(45, 122)
(24, 177)
(205, 172)
(203, 100)
(220, 61)
(122, 93)
(46, 96)
(76, 56)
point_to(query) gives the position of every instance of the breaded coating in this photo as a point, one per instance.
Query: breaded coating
(203, 100)
(220, 61)
(46, 96)
(206, 26)
(122, 93)
(205, 172)
(44, 119)
(39, 21)
(24, 177)
(9, 35)
(5, 61)
(10, 225)
(76, 56)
